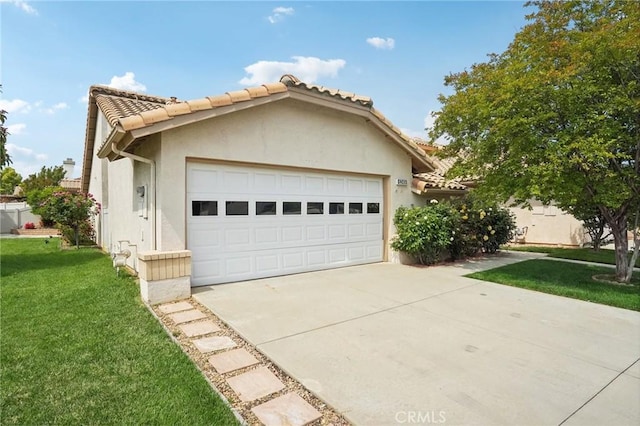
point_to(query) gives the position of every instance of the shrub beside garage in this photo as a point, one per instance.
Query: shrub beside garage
(452, 230)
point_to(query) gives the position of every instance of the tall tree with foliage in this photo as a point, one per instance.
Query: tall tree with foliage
(5, 159)
(46, 177)
(9, 179)
(557, 115)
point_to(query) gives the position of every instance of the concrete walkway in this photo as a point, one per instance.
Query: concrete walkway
(392, 344)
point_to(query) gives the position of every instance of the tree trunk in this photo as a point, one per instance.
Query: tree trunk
(622, 248)
(636, 247)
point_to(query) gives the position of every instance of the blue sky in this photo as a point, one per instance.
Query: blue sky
(398, 53)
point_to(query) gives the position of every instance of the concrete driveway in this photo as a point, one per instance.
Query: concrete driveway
(392, 344)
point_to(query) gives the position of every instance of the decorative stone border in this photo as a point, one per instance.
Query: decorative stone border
(254, 387)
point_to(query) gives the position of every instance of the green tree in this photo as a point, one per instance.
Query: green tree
(47, 176)
(9, 179)
(71, 211)
(5, 159)
(557, 115)
(36, 198)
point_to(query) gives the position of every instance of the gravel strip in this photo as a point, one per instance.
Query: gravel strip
(329, 415)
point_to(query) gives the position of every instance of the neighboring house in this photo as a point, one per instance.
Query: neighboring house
(548, 225)
(71, 185)
(543, 225)
(278, 179)
(433, 184)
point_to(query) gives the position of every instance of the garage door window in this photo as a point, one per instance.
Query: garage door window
(204, 208)
(265, 208)
(237, 208)
(373, 208)
(315, 208)
(292, 207)
(336, 208)
(355, 208)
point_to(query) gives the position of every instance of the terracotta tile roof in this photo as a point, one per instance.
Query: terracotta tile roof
(71, 184)
(292, 81)
(424, 181)
(118, 104)
(436, 179)
(129, 111)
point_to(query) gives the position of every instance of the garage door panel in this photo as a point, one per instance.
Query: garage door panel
(292, 260)
(355, 187)
(205, 237)
(292, 234)
(314, 185)
(238, 265)
(335, 185)
(202, 180)
(262, 241)
(374, 230)
(266, 263)
(357, 253)
(291, 184)
(374, 251)
(266, 235)
(205, 271)
(356, 230)
(316, 233)
(373, 187)
(337, 232)
(236, 237)
(337, 255)
(264, 183)
(236, 181)
(316, 258)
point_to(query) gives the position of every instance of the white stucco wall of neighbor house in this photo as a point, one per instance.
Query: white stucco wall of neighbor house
(286, 133)
(548, 225)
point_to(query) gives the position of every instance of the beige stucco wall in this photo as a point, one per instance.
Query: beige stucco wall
(113, 184)
(549, 225)
(285, 133)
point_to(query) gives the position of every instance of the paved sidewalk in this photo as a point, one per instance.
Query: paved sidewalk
(392, 344)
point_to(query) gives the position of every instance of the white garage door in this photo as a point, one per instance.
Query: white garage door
(246, 222)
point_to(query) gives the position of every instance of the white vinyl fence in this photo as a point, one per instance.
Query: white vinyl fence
(15, 215)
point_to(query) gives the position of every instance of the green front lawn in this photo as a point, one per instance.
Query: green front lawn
(565, 279)
(587, 254)
(79, 347)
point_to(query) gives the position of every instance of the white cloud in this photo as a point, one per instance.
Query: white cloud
(127, 82)
(279, 13)
(306, 68)
(16, 129)
(414, 133)
(57, 107)
(15, 105)
(84, 99)
(382, 43)
(22, 152)
(26, 7)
